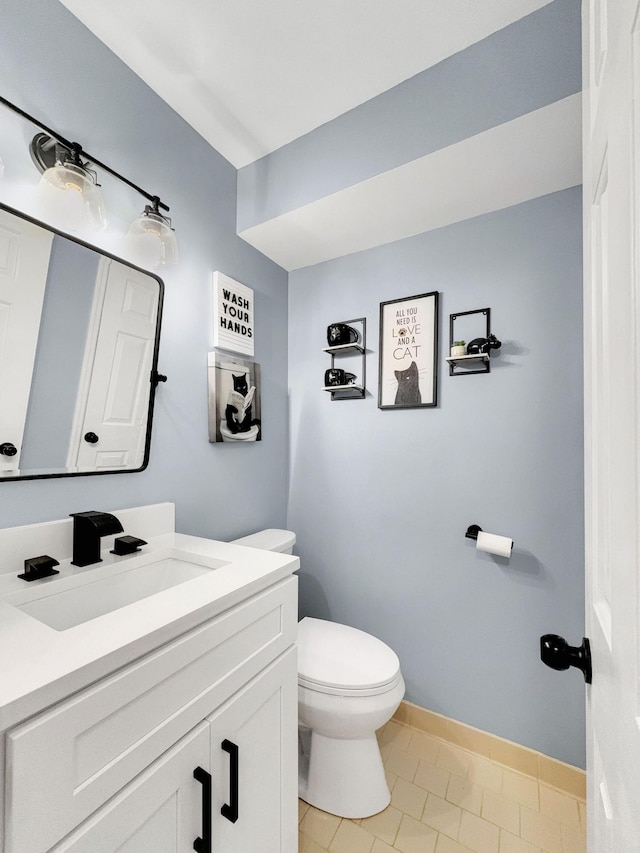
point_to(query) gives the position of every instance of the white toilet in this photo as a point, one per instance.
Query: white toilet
(349, 685)
(227, 435)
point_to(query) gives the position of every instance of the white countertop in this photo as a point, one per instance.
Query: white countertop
(40, 665)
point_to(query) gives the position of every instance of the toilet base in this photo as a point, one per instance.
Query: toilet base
(343, 777)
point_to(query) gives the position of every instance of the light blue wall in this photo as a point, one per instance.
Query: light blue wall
(51, 66)
(61, 343)
(380, 500)
(521, 68)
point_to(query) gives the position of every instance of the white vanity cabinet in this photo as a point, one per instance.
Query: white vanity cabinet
(111, 768)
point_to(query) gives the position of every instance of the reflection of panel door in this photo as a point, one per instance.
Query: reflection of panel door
(117, 371)
(24, 261)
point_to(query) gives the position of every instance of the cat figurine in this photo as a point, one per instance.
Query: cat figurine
(483, 345)
(232, 413)
(408, 393)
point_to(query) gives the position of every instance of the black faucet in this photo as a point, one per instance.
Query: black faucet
(88, 528)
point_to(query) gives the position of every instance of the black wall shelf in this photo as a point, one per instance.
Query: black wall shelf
(467, 359)
(357, 389)
(464, 365)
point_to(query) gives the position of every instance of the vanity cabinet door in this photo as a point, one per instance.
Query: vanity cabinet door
(254, 762)
(159, 812)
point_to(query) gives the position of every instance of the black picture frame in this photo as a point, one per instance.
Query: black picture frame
(408, 366)
(154, 377)
(232, 419)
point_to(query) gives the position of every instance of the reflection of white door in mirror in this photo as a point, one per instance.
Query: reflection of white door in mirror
(24, 260)
(113, 399)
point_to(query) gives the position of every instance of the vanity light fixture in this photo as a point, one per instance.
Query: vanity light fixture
(151, 238)
(68, 193)
(70, 196)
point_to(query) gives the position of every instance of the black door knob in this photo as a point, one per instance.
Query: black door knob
(91, 437)
(8, 449)
(558, 654)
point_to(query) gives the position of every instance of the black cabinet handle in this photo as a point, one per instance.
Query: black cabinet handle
(91, 437)
(8, 449)
(230, 810)
(203, 845)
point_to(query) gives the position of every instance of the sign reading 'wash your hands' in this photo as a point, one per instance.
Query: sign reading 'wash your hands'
(232, 315)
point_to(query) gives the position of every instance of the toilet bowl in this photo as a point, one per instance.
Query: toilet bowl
(349, 685)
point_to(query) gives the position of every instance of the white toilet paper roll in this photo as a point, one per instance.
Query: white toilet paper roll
(493, 544)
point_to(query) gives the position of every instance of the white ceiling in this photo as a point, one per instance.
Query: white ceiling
(523, 159)
(252, 75)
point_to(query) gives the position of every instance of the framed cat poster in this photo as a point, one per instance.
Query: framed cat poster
(234, 399)
(409, 352)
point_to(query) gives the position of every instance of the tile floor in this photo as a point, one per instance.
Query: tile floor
(447, 800)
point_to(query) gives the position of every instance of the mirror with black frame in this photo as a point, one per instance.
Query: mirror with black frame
(79, 337)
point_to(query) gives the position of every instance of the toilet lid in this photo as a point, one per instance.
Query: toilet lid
(333, 655)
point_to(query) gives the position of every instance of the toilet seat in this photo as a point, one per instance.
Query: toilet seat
(334, 690)
(369, 667)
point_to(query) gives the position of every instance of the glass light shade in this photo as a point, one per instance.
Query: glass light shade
(1, 167)
(151, 241)
(70, 198)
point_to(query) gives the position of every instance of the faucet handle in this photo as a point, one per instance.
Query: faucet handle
(126, 545)
(39, 567)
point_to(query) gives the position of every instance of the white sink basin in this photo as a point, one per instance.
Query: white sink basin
(75, 604)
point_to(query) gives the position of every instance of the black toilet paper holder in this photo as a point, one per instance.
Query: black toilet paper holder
(472, 531)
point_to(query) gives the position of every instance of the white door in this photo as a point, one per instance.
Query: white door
(115, 383)
(254, 761)
(611, 101)
(24, 263)
(160, 812)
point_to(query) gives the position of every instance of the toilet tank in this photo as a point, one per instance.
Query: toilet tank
(272, 539)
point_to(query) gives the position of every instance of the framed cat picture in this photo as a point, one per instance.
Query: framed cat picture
(409, 352)
(234, 399)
